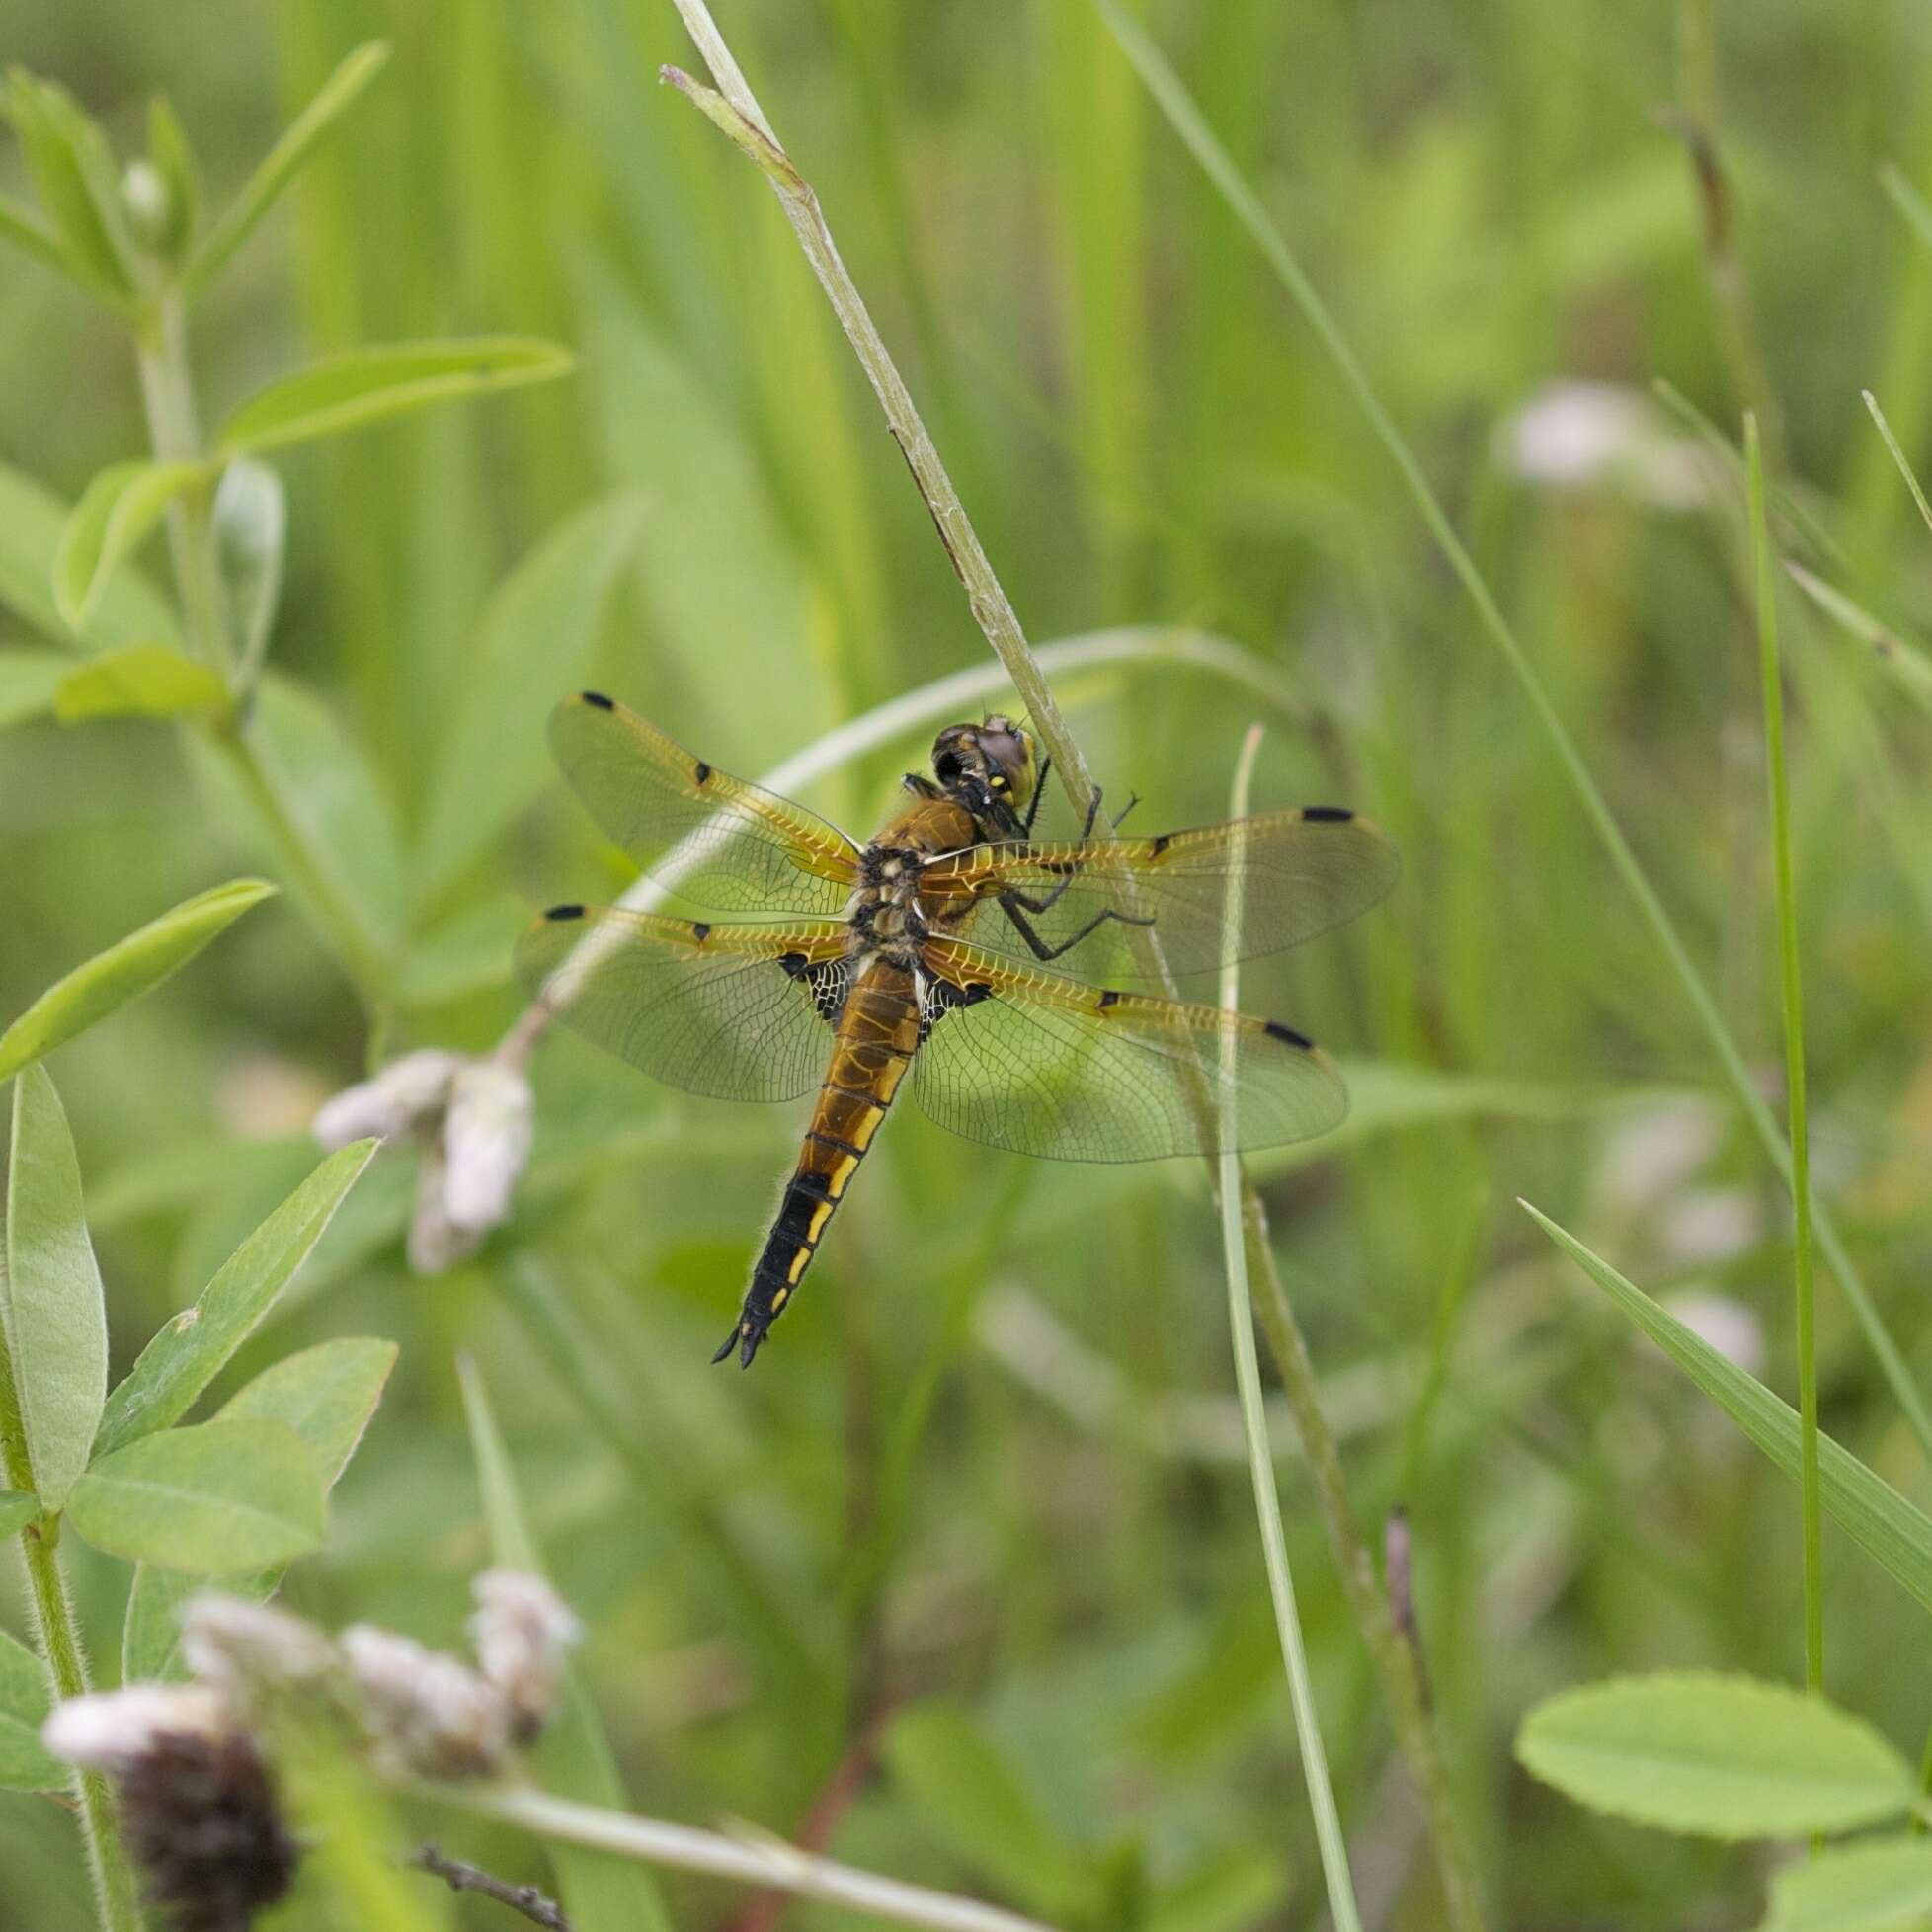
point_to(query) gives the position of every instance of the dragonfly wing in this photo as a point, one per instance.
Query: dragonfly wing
(738, 1011)
(715, 839)
(1019, 1058)
(1297, 874)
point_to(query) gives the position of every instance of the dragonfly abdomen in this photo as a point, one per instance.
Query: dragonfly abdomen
(876, 1037)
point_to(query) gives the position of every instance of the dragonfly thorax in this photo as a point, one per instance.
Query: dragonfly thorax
(885, 915)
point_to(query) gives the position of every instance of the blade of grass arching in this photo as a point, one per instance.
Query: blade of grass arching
(1779, 783)
(1254, 1426)
(1899, 456)
(1893, 1531)
(1174, 101)
(1909, 664)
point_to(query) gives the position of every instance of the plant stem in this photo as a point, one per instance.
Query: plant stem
(168, 395)
(1254, 1426)
(735, 110)
(752, 1859)
(1778, 780)
(1215, 162)
(66, 1665)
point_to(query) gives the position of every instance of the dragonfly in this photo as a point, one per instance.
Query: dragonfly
(953, 956)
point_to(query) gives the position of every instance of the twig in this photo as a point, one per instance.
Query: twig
(749, 1857)
(463, 1876)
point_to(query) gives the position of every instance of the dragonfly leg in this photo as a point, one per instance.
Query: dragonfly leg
(1017, 912)
(1039, 792)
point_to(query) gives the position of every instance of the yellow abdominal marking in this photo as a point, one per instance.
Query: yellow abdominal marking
(779, 1301)
(820, 1216)
(792, 1273)
(847, 1163)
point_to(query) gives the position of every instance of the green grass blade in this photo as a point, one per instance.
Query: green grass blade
(1165, 87)
(1899, 456)
(1894, 1532)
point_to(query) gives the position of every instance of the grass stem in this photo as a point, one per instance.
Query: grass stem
(1778, 781)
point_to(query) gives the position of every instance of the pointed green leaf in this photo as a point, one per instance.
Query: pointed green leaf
(31, 518)
(326, 1394)
(50, 1295)
(32, 237)
(537, 633)
(28, 682)
(282, 162)
(366, 385)
(1716, 1757)
(25, 1700)
(1895, 1531)
(16, 1511)
(217, 1498)
(971, 1798)
(174, 161)
(1885, 1887)
(127, 969)
(192, 1348)
(116, 512)
(149, 680)
(574, 1758)
(74, 175)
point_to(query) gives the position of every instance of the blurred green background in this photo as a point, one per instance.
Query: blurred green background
(989, 1472)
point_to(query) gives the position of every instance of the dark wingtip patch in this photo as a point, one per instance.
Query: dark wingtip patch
(700, 930)
(1109, 998)
(702, 773)
(602, 702)
(1277, 1031)
(562, 913)
(1327, 814)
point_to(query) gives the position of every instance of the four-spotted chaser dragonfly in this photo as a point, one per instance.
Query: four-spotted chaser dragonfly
(921, 960)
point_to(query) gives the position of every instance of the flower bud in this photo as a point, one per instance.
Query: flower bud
(425, 1710)
(110, 1730)
(521, 1630)
(150, 207)
(404, 1093)
(251, 1652)
(485, 1142)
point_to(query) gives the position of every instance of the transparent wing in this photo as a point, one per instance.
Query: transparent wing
(1299, 873)
(735, 1010)
(715, 840)
(1022, 1059)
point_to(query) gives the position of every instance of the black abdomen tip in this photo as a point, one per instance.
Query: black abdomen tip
(1327, 814)
(1277, 1031)
(602, 702)
(561, 913)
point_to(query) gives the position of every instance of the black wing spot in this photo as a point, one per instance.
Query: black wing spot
(602, 702)
(1327, 814)
(1277, 1031)
(562, 913)
(1107, 998)
(700, 930)
(701, 772)
(1160, 843)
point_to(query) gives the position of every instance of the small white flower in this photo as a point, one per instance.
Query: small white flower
(404, 1093)
(1579, 436)
(428, 1712)
(244, 1649)
(114, 1730)
(485, 1142)
(521, 1630)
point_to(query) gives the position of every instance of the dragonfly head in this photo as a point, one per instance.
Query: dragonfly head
(988, 767)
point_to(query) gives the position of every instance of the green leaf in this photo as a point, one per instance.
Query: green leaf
(217, 1498)
(149, 681)
(31, 518)
(282, 162)
(326, 1394)
(174, 161)
(109, 523)
(325, 781)
(1887, 1527)
(74, 175)
(1902, 658)
(1716, 1757)
(17, 1511)
(189, 1350)
(32, 237)
(366, 385)
(28, 682)
(971, 1797)
(574, 1758)
(1883, 1887)
(127, 969)
(537, 633)
(50, 1294)
(24, 1701)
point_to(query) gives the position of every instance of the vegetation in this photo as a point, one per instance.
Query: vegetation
(1514, 412)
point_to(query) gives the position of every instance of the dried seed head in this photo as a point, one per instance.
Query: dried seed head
(250, 1652)
(521, 1630)
(485, 1142)
(425, 1710)
(405, 1092)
